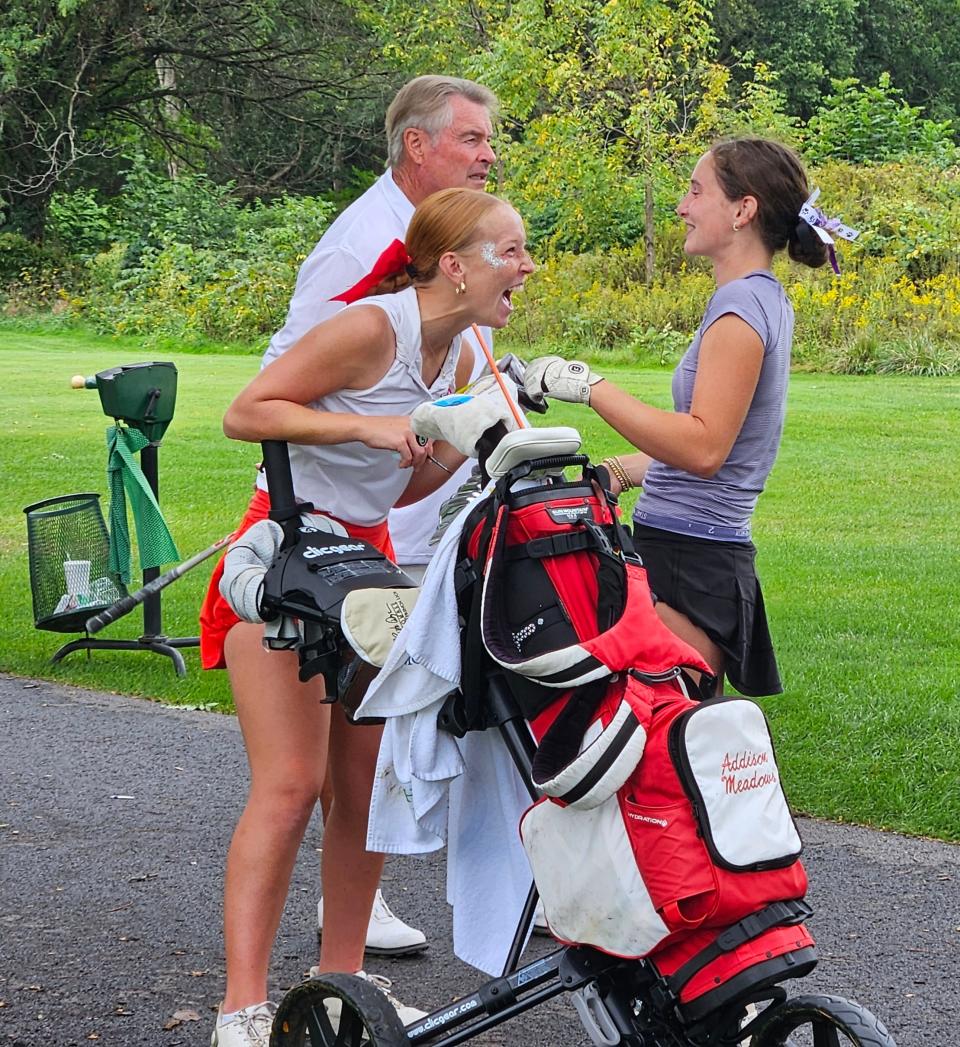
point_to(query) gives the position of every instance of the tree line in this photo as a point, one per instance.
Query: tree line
(270, 98)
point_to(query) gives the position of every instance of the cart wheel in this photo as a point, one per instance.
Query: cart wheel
(820, 1021)
(337, 1010)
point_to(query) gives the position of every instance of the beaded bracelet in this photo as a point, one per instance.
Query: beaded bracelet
(615, 466)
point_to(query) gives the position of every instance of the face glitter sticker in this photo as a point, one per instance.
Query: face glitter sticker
(489, 254)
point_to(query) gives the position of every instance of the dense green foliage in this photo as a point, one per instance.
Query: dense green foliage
(175, 187)
(807, 42)
(862, 124)
(227, 273)
(266, 95)
(812, 42)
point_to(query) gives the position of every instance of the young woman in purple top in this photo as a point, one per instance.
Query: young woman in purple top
(703, 464)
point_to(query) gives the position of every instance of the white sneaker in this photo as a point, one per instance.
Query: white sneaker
(249, 1027)
(387, 934)
(408, 1015)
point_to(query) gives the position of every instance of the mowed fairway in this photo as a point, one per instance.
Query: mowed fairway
(857, 532)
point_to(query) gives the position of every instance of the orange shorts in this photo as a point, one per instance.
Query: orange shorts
(216, 615)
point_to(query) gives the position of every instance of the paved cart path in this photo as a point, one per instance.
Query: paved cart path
(115, 814)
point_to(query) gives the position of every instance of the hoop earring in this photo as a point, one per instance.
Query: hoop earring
(461, 287)
(736, 227)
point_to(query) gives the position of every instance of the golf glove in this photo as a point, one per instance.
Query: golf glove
(245, 565)
(559, 379)
(462, 420)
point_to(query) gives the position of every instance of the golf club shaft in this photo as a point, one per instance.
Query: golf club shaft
(522, 423)
(127, 603)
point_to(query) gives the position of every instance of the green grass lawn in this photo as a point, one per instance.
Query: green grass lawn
(857, 535)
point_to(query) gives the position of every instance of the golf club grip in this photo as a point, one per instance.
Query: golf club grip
(118, 609)
(127, 603)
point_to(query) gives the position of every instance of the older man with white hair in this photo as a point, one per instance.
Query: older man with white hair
(439, 131)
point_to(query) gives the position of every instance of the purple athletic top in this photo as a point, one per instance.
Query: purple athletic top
(720, 507)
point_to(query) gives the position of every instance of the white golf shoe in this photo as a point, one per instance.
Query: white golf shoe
(407, 1015)
(387, 934)
(249, 1027)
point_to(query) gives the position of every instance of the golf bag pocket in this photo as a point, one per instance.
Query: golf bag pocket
(674, 861)
(587, 876)
(723, 755)
(730, 845)
(697, 835)
(590, 749)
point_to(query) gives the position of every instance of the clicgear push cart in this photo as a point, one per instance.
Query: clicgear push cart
(627, 1002)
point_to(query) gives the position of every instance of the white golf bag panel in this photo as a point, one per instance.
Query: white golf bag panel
(587, 875)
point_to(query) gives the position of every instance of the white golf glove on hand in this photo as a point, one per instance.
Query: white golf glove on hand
(511, 371)
(319, 522)
(462, 421)
(245, 565)
(559, 379)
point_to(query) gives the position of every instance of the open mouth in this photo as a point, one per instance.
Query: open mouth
(507, 298)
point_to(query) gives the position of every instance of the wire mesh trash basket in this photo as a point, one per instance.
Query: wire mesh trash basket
(69, 550)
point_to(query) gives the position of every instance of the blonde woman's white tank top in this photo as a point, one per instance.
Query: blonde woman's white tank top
(351, 481)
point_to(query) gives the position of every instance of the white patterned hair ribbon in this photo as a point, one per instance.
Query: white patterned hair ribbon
(824, 227)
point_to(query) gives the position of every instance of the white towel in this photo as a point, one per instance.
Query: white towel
(416, 763)
(426, 652)
(488, 874)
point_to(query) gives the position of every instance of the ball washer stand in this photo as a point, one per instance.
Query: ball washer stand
(142, 396)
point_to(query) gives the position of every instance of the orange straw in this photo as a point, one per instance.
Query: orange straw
(517, 414)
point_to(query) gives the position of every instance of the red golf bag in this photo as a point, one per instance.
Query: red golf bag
(664, 831)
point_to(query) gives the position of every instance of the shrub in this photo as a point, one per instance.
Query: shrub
(35, 277)
(154, 210)
(79, 223)
(597, 303)
(876, 320)
(18, 254)
(194, 293)
(862, 124)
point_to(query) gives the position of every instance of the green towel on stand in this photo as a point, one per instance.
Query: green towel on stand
(125, 477)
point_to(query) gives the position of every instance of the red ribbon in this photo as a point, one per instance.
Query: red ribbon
(392, 262)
